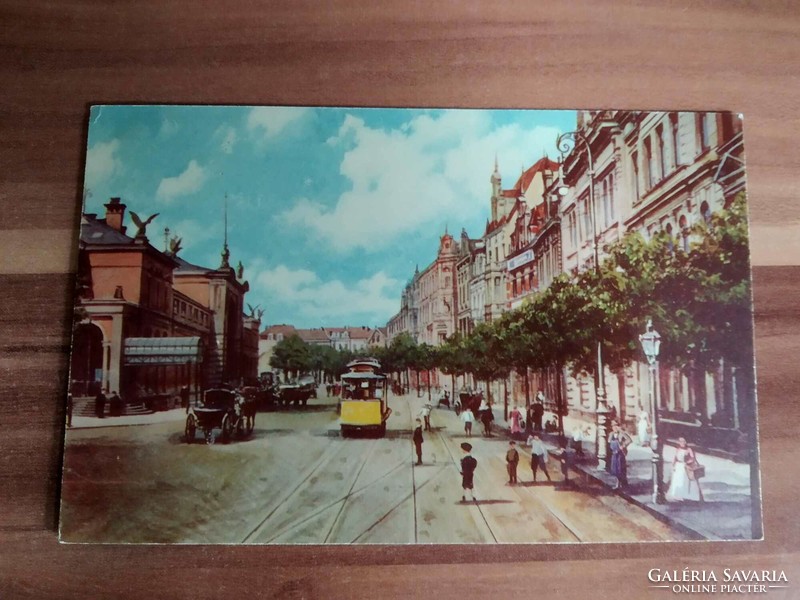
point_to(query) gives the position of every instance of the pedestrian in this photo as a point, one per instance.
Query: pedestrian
(537, 411)
(539, 456)
(69, 409)
(516, 422)
(425, 415)
(686, 474)
(567, 458)
(418, 441)
(618, 443)
(100, 404)
(487, 416)
(468, 465)
(643, 427)
(468, 418)
(512, 460)
(577, 440)
(184, 394)
(115, 405)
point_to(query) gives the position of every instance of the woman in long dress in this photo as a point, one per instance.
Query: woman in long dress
(683, 485)
(516, 420)
(642, 428)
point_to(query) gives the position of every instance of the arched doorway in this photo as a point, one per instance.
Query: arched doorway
(86, 371)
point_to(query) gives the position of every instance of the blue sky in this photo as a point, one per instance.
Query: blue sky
(329, 209)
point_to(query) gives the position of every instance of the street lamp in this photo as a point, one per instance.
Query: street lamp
(651, 344)
(566, 143)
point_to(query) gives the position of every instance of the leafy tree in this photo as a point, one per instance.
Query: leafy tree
(291, 355)
(451, 358)
(403, 353)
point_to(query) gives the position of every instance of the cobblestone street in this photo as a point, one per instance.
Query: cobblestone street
(297, 481)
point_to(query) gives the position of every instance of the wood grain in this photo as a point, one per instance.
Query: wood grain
(58, 57)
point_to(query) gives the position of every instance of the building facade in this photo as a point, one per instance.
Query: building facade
(148, 323)
(651, 172)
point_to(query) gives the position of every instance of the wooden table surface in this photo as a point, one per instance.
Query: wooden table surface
(57, 57)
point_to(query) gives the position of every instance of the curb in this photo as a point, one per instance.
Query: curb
(693, 532)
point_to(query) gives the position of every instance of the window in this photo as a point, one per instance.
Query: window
(684, 233)
(671, 240)
(635, 161)
(573, 229)
(648, 165)
(662, 157)
(610, 198)
(673, 125)
(604, 202)
(705, 212)
(587, 219)
(607, 200)
(704, 130)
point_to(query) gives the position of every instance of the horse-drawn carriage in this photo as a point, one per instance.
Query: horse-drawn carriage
(297, 392)
(468, 399)
(234, 413)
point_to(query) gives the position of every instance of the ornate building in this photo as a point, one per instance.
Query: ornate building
(437, 294)
(531, 214)
(464, 275)
(653, 171)
(149, 323)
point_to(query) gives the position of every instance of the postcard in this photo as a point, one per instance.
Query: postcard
(299, 325)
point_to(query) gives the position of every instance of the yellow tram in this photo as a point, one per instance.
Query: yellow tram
(364, 405)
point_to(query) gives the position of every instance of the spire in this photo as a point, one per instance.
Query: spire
(166, 239)
(225, 252)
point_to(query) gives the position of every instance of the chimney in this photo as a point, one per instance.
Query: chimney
(115, 212)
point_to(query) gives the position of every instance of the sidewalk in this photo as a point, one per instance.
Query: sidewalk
(724, 515)
(166, 416)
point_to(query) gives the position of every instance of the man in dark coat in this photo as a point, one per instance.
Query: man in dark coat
(418, 441)
(69, 409)
(512, 460)
(537, 411)
(468, 465)
(100, 404)
(487, 416)
(115, 405)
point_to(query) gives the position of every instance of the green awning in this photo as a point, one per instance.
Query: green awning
(163, 351)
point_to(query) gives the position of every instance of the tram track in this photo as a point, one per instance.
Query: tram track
(414, 489)
(352, 492)
(295, 525)
(446, 445)
(315, 468)
(341, 500)
(367, 456)
(413, 477)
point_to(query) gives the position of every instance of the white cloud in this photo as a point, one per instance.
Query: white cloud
(227, 137)
(194, 234)
(370, 300)
(168, 128)
(101, 162)
(188, 182)
(433, 168)
(270, 121)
